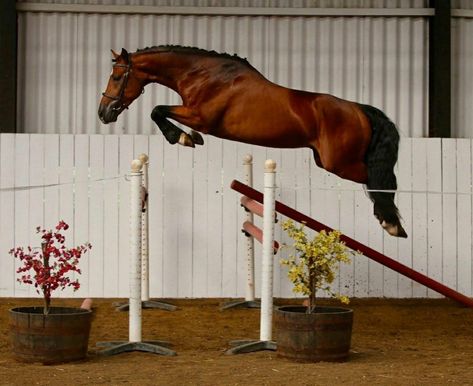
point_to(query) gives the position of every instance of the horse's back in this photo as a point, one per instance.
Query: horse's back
(263, 113)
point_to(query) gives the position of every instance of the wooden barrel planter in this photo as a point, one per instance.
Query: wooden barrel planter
(60, 336)
(324, 335)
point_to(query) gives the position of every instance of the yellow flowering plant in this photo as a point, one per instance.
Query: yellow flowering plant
(314, 262)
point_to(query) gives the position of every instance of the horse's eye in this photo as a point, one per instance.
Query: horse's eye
(116, 77)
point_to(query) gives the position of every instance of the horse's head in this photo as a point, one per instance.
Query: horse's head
(123, 87)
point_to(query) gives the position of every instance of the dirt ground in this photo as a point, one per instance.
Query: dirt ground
(409, 342)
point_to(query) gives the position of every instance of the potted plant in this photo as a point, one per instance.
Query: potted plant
(310, 332)
(49, 334)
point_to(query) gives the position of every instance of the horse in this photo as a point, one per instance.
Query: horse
(225, 96)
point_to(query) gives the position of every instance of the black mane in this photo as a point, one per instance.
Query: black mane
(192, 50)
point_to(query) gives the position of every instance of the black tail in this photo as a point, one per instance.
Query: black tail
(380, 160)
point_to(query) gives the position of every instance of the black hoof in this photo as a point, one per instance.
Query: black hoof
(196, 137)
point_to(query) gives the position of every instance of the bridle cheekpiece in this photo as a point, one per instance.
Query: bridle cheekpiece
(123, 85)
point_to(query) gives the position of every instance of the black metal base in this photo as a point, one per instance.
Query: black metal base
(241, 304)
(146, 304)
(151, 346)
(246, 346)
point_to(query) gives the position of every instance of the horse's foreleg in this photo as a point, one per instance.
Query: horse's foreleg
(190, 118)
(196, 137)
(171, 132)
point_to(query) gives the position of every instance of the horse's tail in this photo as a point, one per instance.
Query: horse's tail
(380, 160)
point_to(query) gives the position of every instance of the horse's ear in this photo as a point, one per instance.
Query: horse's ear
(115, 55)
(124, 54)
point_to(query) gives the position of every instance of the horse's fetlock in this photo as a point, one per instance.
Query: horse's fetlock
(186, 140)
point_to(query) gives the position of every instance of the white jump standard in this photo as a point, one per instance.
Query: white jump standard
(265, 342)
(135, 342)
(145, 300)
(249, 301)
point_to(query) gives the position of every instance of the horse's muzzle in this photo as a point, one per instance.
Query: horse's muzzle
(108, 112)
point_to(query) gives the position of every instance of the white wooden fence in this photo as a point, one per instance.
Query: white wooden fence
(196, 247)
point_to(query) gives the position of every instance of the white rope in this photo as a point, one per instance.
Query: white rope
(334, 189)
(31, 187)
(330, 189)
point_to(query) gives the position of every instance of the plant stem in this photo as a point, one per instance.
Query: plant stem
(313, 289)
(46, 296)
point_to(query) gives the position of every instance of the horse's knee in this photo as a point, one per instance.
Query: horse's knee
(159, 112)
(155, 114)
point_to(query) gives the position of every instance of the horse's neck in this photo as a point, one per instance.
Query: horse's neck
(164, 68)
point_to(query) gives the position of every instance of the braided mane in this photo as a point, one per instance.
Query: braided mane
(192, 51)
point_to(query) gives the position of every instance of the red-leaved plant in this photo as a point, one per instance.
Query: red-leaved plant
(51, 265)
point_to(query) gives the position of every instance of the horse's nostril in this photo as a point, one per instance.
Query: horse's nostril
(104, 113)
(108, 112)
(102, 108)
(101, 112)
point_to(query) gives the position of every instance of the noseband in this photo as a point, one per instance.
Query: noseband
(123, 85)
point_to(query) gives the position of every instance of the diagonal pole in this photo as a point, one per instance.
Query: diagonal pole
(357, 246)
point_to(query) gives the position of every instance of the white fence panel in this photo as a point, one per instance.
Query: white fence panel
(449, 206)
(419, 213)
(21, 212)
(464, 215)
(434, 210)
(96, 215)
(125, 155)
(36, 178)
(196, 247)
(7, 213)
(404, 198)
(110, 216)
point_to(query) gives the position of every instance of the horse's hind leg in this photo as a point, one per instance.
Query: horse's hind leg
(171, 132)
(355, 171)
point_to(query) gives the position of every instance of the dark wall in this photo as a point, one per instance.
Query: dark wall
(440, 70)
(8, 54)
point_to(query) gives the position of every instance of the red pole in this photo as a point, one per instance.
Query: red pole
(252, 230)
(252, 205)
(356, 246)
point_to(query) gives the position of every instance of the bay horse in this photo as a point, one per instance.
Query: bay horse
(224, 96)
